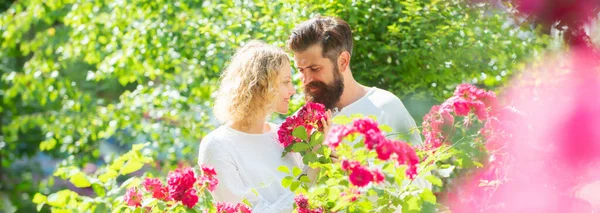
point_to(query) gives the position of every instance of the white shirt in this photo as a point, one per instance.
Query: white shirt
(389, 110)
(244, 162)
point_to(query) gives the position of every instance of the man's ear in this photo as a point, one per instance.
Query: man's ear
(344, 61)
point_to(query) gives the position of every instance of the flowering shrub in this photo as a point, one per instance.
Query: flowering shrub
(373, 173)
(182, 188)
(468, 100)
(552, 135)
(185, 190)
(374, 139)
(378, 173)
(110, 192)
(303, 133)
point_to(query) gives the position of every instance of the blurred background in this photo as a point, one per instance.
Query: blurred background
(83, 80)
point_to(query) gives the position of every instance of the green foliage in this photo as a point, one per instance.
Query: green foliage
(77, 73)
(426, 47)
(104, 182)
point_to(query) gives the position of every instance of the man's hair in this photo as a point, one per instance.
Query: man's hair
(333, 34)
(250, 83)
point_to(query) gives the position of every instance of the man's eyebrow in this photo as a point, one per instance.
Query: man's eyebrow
(310, 66)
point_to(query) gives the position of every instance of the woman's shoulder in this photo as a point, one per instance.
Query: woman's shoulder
(214, 145)
(215, 139)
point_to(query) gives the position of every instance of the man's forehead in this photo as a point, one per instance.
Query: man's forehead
(303, 61)
(311, 56)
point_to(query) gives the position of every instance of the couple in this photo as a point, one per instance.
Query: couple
(258, 82)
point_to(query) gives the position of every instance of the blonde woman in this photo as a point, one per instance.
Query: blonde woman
(244, 150)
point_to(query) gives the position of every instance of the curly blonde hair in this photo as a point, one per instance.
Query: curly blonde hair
(249, 84)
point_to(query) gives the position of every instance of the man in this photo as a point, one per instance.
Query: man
(322, 48)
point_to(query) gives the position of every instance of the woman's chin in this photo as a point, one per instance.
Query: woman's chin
(283, 111)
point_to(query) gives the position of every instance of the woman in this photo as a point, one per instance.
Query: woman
(244, 150)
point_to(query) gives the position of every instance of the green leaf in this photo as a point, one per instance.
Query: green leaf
(297, 171)
(332, 182)
(301, 190)
(464, 161)
(40, 206)
(161, 206)
(190, 210)
(60, 198)
(366, 205)
(80, 180)
(138, 147)
(131, 182)
(341, 120)
(309, 157)
(339, 204)
(360, 144)
(444, 156)
(99, 189)
(434, 180)
(319, 190)
(412, 204)
(100, 208)
(48, 144)
(39, 198)
(325, 151)
(428, 196)
(294, 185)
(283, 169)
(118, 208)
(246, 201)
(108, 175)
(385, 128)
(287, 181)
(429, 208)
(334, 193)
(316, 139)
(304, 179)
(131, 166)
(118, 163)
(300, 132)
(65, 172)
(300, 147)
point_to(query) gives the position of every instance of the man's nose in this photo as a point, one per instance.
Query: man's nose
(306, 79)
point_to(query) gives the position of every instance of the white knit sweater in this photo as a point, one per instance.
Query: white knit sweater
(244, 162)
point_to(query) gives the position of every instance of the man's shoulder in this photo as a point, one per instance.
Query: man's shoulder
(384, 98)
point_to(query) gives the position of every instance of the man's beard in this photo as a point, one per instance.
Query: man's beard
(326, 94)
